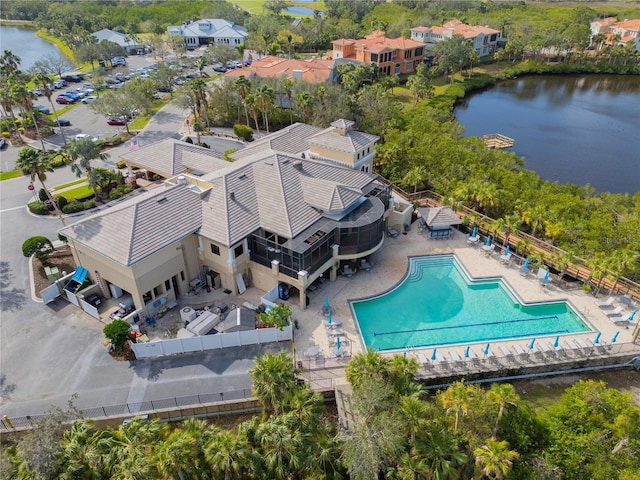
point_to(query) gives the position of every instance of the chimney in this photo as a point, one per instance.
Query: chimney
(182, 180)
(297, 74)
(232, 196)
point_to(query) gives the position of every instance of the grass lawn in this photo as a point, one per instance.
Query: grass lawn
(66, 185)
(10, 174)
(83, 191)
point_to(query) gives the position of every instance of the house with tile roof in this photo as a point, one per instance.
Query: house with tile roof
(311, 70)
(288, 209)
(393, 56)
(207, 31)
(618, 33)
(484, 39)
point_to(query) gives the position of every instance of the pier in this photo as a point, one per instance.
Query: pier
(497, 140)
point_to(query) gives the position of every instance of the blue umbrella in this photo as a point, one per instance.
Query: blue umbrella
(405, 354)
(326, 301)
(632, 316)
(506, 251)
(433, 356)
(533, 341)
(525, 265)
(546, 275)
(556, 343)
(488, 242)
(615, 337)
(338, 343)
(597, 339)
(466, 352)
(474, 232)
(486, 349)
(330, 318)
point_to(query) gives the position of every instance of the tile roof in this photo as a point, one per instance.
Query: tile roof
(293, 139)
(351, 142)
(170, 157)
(210, 28)
(439, 216)
(140, 226)
(312, 70)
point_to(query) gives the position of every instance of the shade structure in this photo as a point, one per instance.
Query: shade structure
(556, 342)
(466, 352)
(526, 263)
(533, 341)
(326, 301)
(488, 242)
(615, 336)
(474, 232)
(597, 339)
(486, 349)
(506, 250)
(433, 355)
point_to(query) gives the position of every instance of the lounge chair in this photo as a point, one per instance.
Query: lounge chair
(618, 319)
(422, 358)
(335, 332)
(613, 312)
(392, 232)
(605, 303)
(454, 356)
(364, 265)
(572, 345)
(519, 350)
(505, 351)
(581, 343)
(334, 340)
(347, 270)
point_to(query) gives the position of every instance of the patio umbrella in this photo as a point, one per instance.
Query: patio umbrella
(488, 242)
(326, 301)
(466, 352)
(338, 343)
(632, 316)
(330, 317)
(615, 337)
(474, 232)
(533, 341)
(405, 354)
(597, 339)
(486, 349)
(525, 265)
(506, 251)
(433, 356)
(556, 343)
(546, 275)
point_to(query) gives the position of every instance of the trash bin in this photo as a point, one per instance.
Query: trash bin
(283, 291)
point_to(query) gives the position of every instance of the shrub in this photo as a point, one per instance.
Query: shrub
(203, 144)
(188, 140)
(39, 208)
(59, 161)
(121, 164)
(243, 131)
(62, 201)
(39, 246)
(75, 206)
(227, 153)
(42, 195)
(120, 191)
(117, 332)
(62, 238)
(276, 317)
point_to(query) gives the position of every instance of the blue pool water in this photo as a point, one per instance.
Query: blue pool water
(438, 304)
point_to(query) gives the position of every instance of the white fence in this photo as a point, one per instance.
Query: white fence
(211, 342)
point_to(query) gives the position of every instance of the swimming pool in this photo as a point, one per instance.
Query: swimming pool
(437, 303)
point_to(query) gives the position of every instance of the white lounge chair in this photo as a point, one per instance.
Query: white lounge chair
(422, 359)
(614, 312)
(454, 356)
(618, 319)
(605, 303)
(505, 350)
(519, 350)
(581, 343)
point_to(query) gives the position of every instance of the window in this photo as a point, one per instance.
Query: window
(408, 67)
(182, 275)
(419, 52)
(146, 298)
(374, 57)
(239, 250)
(157, 291)
(167, 285)
(200, 246)
(215, 249)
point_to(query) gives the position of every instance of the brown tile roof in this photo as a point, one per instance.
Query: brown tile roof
(312, 70)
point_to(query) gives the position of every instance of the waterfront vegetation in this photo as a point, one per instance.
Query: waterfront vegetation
(396, 431)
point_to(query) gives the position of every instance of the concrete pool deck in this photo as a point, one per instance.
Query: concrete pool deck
(390, 264)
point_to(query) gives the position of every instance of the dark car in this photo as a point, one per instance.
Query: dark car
(62, 122)
(64, 99)
(116, 121)
(219, 68)
(76, 77)
(72, 95)
(42, 109)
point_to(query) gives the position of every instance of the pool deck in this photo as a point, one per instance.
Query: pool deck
(317, 356)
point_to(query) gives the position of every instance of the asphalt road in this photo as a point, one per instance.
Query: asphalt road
(50, 352)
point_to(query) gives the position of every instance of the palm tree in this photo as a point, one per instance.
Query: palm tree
(442, 453)
(288, 90)
(457, 398)
(501, 394)
(415, 176)
(366, 365)
(252, 105)
(228, 454)
(199, 89)
(43, 81)
(414, 411)
(304, 102)
(25, 98)
(9, 63)
(8, 100)
(37, 164)
(621, 261)
(182, 453)
(495, 458)
(265, 98)
(281, 449)
(83, 448)
(243, 87)
(83, 151)
(273, 379)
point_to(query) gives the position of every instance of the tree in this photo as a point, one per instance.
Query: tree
(458, 398)
(222, 53)
(502, 394)
(39, 246)
(243, 86)
(36, 164)
(304, 103)
(83, 451)
(135, 97)
(252, 105)
(53, 64)
(276, 317)
(274, 377)
(288, 90)
(452, 55)
(265, 99)
(495, 458)
(43, 81)
(84, 151)
(117, 332)
(442, 454)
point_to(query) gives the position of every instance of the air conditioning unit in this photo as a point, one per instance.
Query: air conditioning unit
(188, 314)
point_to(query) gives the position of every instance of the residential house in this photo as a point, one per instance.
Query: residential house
(288, 210)
(619, 33)
(393, 56)
(312, 70)
(129, 42)
(207, 31)
(484, 39)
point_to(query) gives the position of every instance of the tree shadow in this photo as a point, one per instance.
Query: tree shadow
(11, 298)
(6, 389)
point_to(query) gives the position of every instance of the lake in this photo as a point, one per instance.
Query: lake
(578, 129)
(24, 43)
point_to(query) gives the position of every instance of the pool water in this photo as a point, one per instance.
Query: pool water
(438, 304)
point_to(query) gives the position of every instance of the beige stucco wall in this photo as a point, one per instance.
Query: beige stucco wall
(333, 154)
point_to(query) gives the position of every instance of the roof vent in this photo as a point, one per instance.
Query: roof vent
(232, 196)
(163, 200)
(297, 165)
(182, 180)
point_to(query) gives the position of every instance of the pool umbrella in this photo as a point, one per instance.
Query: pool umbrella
(433, 356)
(546, 275)
(466, 352)
(556, 343)
(615, 337)
(488, 242)
(533, 341)
(486, 349)
(506, 251)
(405, 354)
(326, 301)
(597, 339)
(338, 343)
(474, 232)
(525, 265)
(330, 318)
(632, 316)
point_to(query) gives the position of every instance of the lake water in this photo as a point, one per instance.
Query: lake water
(25, 44)
(578, 129)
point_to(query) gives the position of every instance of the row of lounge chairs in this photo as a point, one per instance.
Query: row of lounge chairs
(617, 314)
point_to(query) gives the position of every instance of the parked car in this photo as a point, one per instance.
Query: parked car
(81, 136)
(63, 99)
(219, 68)
(89, 99)
(3, 142)
(62, 122)
(38, 91)
(60, 84)
(246, 63)
(233, 64)
(116, 120)
(71, 95)
(41, 109)
(75, 77)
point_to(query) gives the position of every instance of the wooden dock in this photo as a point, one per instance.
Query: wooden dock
(497, 140)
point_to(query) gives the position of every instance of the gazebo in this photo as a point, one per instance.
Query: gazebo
(438, 221)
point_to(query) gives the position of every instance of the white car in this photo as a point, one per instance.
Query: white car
(90, 99)
(81, 136)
